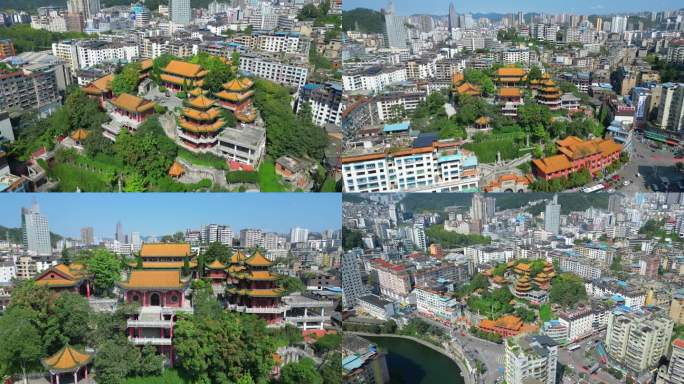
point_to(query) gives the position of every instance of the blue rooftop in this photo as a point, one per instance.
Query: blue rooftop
(352, 362)
(397, 127)
(424, 140)
(470, 161)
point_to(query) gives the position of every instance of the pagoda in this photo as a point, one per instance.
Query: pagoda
(253, 287)
(523, 286)
(236, 96)
(522, 269)
(510, 76)
(549, 94)
(200, 124)
(165, 256)
(68, 360)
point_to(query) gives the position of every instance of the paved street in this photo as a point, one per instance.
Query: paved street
(490, 354)
(651, 165)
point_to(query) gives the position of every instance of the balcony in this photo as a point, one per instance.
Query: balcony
(307, 319)
(280, 309)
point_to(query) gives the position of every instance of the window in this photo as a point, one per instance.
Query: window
(174, 299)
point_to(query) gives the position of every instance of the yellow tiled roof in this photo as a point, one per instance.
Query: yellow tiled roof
(142, 278)
(132, 103)
(201, 102)
(234, 96)
(67, 359)
(99, 86)
(165, 249)
(193, 127)
(258, 260)
(208, 115)
(184, 69)
(552, 164)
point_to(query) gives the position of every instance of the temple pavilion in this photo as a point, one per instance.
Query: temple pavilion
(68, 361)
(161, 295)
(63, 277)
(253, 288)
(200, 124)
(236, 96)
(100, 90)
(165, 256)
(179, 75)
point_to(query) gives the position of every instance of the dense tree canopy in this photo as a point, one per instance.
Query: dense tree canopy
(567, 289)
(127, 80)
(105, 267)
(286, 133)
(224, 348)
(303, 371)
(27, 39)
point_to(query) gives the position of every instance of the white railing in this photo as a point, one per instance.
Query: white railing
(149, 323)
(125, 120)
(280, 309)
(149, 340)
(200, 140)
(308, 319)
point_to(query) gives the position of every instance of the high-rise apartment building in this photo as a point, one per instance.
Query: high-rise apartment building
(395, 28)
(299, 235)
(352, 285)
(87, 236)
(552, 216)
(180, 11)
(673, 373)
(250, 238)
(531, 359)
(671, 107)
(637, 341)
(35, 231)
(87, 8)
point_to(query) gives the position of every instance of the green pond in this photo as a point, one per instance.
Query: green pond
(413, 363)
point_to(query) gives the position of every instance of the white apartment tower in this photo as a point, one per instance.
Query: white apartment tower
(637, 341)
(35, 231)
(552, 216)
(299, 235)
(530, 358)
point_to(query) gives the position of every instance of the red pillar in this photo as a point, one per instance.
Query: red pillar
(86, 375)
(87, 289)
(171, 356)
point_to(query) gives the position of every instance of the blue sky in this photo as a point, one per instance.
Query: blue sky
(441, 7)
(164, 213)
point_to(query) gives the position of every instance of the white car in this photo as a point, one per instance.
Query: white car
(626, 183)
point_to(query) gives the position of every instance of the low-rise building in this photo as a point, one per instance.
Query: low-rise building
(375, 306)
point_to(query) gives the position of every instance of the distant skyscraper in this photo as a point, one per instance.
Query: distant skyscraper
(618, 24)
(88, 8)
(393, 213)
(521, 18)
(552, 216)
(299, 235)
(35, 231)
(119, 235)
(395, 27)
(453, 17)
(87, 236)
(482, 209)
(250, 238)
(180, 11)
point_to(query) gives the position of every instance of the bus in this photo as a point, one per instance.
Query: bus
(595, 188)
(594, 368)
(573, 347)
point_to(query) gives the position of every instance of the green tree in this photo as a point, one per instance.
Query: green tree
(21, 343)
(328, 343)
(67, 323)
(115, 360)
(331, 369)
(303, 371)
(105, 267)
(151, 363)
(291, 284)
(217, 251)
(223, 348)
(127, 80)
(567, 289)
